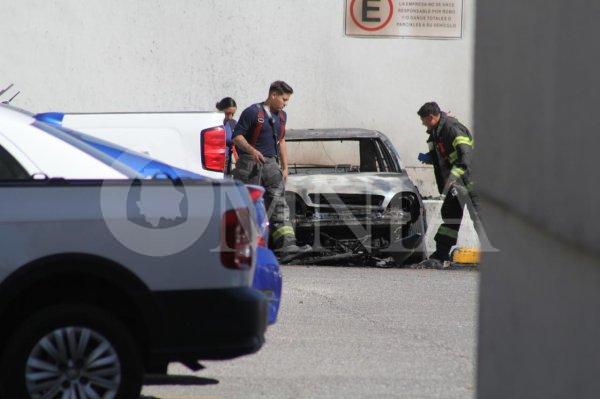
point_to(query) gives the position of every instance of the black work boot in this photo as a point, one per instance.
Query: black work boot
(288, 245)
(290, 252)
(293, 248)
(436, 259)
(441, 254)
(288, 249)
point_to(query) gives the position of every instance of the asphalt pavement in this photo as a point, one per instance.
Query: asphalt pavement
(353, 333)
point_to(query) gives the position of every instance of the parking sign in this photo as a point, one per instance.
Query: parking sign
(399, 18)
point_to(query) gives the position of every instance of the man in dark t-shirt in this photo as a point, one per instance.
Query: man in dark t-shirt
(266, 141)
(259, 138)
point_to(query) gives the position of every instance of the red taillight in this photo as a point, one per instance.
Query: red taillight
(256, 192)
(236, 247)
(212, 143)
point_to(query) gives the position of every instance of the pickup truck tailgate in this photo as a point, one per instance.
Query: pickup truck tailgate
(146, 225)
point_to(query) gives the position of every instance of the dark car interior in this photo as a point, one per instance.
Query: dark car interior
(338, 156)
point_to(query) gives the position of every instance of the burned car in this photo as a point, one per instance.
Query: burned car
(350, 197)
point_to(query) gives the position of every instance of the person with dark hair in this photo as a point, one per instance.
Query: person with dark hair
(260, 141)
(228, 106)
(450, 150)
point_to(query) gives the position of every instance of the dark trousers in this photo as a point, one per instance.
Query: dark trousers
(456, 199)
(270, 177)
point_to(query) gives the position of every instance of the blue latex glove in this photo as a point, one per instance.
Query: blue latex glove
(425, 158)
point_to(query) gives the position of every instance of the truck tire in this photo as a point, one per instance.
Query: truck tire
(72, 348)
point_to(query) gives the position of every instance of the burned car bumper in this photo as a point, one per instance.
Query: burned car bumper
(348, 218)
(392, 229)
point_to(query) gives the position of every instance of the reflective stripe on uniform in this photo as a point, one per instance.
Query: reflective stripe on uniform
(453, 157)
(283, 231)
(458, 172)
(446, 231)
(462, 140)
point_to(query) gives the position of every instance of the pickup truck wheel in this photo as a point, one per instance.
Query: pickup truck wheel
(72, 351)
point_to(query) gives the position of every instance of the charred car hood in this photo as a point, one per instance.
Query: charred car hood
(384, 184)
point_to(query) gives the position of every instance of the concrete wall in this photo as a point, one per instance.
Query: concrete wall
(116, 55)
(536, 94)
(538, 319)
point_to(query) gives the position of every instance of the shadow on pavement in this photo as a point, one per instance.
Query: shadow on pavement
(160, 379)
(178, 380)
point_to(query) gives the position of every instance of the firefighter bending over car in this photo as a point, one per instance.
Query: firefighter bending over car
(450, 150)
(259, 138)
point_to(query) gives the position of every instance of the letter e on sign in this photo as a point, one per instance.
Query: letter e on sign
(366, 17)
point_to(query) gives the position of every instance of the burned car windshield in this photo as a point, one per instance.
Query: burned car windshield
(318, 156)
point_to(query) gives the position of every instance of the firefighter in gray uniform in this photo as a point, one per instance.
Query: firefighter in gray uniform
(450, 149)
(259, 138)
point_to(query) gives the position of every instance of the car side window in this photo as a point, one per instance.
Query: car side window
(373, 157)
(369, 161)
(10, 168)
(383, 157)
(383, 161)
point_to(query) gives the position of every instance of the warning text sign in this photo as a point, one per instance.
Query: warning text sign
(426, 19)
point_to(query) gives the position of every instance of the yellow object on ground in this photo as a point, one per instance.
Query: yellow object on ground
(466, 256)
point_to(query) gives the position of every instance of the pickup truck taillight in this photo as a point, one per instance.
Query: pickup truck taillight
(256, 192)
(212, 143)
(236, 247)
(262, 221)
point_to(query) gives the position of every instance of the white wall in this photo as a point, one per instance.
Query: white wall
(110, 55)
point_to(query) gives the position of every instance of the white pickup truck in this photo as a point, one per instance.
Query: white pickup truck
(96, 288)
(193, 141)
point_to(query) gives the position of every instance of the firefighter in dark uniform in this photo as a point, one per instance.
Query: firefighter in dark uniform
(450, 150)
(259, 138)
